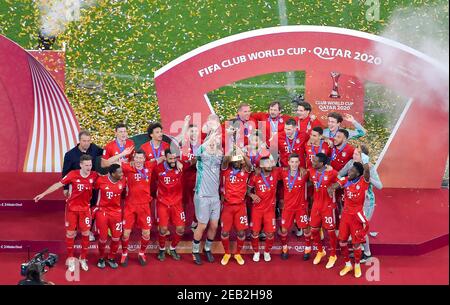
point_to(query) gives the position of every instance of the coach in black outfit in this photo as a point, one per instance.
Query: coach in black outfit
(72, 157)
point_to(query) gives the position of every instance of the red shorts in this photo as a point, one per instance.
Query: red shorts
(324, 218)
(80, 220)
(234, 214)
(139, 214)
(300, 217)
(174, 214)
(351, 225)
(263, 218)
(111, 221)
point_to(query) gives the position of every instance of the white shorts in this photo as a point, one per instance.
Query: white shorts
(206, 208)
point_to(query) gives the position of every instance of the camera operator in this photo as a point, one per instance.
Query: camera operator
(33, 277)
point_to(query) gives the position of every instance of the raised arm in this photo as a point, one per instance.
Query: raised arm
(247, 162)
(179, 138)
(225, 162)
(375, 179)
(366, 173)
(344, 171)
(115, 158)
(359, 130)
(50, 190)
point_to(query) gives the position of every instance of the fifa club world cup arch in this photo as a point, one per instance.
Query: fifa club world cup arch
(416, 152)
(37, 122)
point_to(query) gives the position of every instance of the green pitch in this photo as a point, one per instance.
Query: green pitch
(116, 46)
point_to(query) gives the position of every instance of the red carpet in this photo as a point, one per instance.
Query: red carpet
(431, 268)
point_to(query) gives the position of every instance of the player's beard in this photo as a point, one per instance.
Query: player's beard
(236, 165)
(337, 144)
(267, 170)
(172, 165)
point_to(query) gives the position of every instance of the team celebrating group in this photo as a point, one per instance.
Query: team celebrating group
(263, 171)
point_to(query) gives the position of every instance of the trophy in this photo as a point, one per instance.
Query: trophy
(334, 92)
(235, 157)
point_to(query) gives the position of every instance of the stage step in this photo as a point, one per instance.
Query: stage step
(408, 222)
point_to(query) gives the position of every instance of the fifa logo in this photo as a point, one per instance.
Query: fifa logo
(109, 195)
(166, 180)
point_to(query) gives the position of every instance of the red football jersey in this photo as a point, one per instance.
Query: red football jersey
(321, 182)
(340, 157)
(80, 190)
(294, 190)
(188, 151)
(266, 190)
(355, 194)
(306, 125)
(311, 151)
(110, 194)
(112, 149)
(271, 125)
(170, 184)
(138, 183)
(234, 185)
(296, 145)
(153, 153)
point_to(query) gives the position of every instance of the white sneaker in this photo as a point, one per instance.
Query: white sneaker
(71, 264)
(84, 265)
(256, 257)
(91, 236)
(299, 233)
(267, 257)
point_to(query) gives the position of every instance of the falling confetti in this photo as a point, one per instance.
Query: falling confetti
(114, 47)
